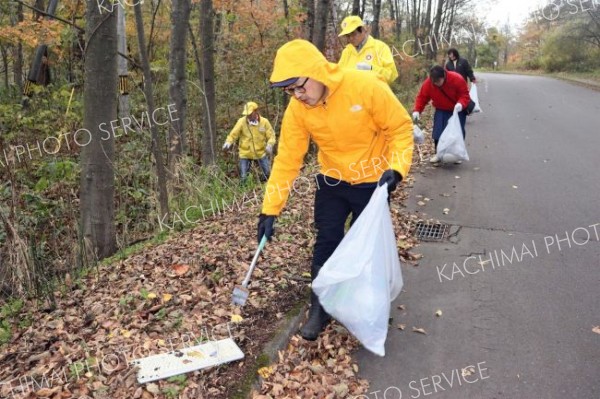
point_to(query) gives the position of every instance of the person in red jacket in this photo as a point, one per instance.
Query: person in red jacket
(448, 92)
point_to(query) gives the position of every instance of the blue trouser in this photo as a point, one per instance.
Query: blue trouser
(440, 121)
(335, 200)
(264, 163)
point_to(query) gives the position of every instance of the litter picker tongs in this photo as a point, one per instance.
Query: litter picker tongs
(240, 293)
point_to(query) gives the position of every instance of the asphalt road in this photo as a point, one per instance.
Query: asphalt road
(522, 300)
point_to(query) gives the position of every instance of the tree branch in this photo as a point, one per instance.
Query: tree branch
(50, 15)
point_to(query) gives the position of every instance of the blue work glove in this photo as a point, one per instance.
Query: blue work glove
(392, 178)
(265, 226)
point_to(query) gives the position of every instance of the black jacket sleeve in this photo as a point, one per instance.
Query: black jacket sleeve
(468, 70)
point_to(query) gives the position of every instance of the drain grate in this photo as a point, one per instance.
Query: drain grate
(431, 232)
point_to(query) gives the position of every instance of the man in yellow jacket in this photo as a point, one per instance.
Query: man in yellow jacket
(257, 138)
(365, 52)
(365, 138)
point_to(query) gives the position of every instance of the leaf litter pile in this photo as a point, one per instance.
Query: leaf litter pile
(178, 294)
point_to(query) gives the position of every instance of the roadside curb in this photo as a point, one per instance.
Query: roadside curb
(581, 82)
(270, 354)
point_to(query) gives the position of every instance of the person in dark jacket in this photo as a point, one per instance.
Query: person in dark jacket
(448, 92)
(460, 65)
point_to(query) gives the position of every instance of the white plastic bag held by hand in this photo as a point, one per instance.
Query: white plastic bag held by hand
(451, 147)
(418, 135)
(362, 276)
(475, 98)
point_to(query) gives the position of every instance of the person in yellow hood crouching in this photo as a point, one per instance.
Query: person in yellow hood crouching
(364, 136)
(365, 52)
(257, 138)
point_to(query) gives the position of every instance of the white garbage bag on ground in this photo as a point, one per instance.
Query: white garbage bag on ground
(451, 147)
(475, 98)
(418, 135)
(362, 276)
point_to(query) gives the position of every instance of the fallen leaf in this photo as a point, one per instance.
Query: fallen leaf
(180, 270)
(401, 307)
(419, 330)
(446, 211)
(153, 388)
(401, 326)
(421, 203)
(438, 313)
(197, 354)
(166, 297)
(457, 177)
(403, 244)
(236, 318)
(126, 333)
(44, 392)
(341, 390)
(596, 329)
(467, 371)
(306, 274)
(151, 295)
(265, 372)
(515, 186)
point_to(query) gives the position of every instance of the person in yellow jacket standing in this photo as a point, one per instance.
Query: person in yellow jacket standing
(365, 52)
(256, 137)
(365, 138)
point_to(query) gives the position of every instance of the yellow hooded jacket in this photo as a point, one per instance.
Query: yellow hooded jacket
(374, 52)
(361, 129)
(253, 139)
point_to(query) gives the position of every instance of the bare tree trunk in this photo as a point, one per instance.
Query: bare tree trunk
(321, 24)
(4, 53)
(180, 17)
(163, 197)
(286, 14)
(438, 17)
(356, 7)
(18, 52)
(309, 27)
(451, 20)
(154, 12)
(39, 4)
(376, 12)
(122, 64)
(199, 68)
(100, 106)
(398, 18)
(208, 81)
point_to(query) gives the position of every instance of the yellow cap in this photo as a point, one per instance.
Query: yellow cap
(349, 24)
(249, 108)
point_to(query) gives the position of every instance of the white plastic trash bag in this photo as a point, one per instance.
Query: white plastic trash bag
(362, 276)
(418, 135)
(451, 147)
(475, 98)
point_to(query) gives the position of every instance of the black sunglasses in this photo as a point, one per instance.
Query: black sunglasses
(293, 90)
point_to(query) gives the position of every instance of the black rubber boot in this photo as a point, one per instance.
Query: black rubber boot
(318, 318)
